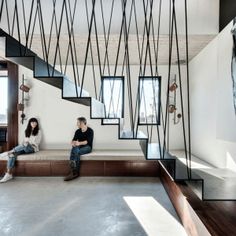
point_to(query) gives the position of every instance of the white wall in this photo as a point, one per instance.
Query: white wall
(212, 111)
(203, 16)
(58, 117)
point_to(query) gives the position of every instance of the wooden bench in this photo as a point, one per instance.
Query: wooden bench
(96, 163)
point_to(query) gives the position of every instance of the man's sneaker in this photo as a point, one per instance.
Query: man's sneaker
(72, 175)
(6, 178)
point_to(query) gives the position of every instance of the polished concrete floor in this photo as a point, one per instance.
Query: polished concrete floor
(46, 206)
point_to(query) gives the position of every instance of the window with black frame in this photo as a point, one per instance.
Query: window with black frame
(113, 98)
(149, 100)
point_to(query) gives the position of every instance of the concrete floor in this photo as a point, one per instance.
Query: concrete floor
(87, 206)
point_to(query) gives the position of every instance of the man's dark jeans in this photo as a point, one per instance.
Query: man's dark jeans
(75, 154)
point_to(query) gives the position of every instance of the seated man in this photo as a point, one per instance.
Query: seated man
(82, 143)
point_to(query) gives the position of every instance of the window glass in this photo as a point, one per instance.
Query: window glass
(149, 96)
(112, 93)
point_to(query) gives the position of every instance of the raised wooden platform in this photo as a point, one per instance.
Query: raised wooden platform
(219, 217)
(199, 217)
(97, 163)
(191, 222)
(88, 168)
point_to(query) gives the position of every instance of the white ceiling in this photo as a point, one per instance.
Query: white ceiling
(203, 25)
(196, 44)
(203, 15)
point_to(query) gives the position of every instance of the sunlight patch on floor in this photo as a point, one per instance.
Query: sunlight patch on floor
(153, 217)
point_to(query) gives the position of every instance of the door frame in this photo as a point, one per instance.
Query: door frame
(13, 85)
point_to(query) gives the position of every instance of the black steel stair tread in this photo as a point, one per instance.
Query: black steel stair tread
(129, 134)
(180, 168)
(16, 47)
(42, 68)
(80, 100)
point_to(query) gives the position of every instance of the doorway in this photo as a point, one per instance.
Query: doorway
(8, 105)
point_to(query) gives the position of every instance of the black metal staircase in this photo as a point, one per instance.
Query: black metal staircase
(44, 72)
(147, 52)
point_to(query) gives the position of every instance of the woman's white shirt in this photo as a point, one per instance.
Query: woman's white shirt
(34, 141)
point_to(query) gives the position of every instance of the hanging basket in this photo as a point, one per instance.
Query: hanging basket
(171, 108)
(173, 87)
(20, 107)
(24, 88)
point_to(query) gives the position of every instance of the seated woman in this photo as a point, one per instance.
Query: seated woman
(30, 145)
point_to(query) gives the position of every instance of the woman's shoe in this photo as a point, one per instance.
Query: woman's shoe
(4, 154)
(6, 178)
